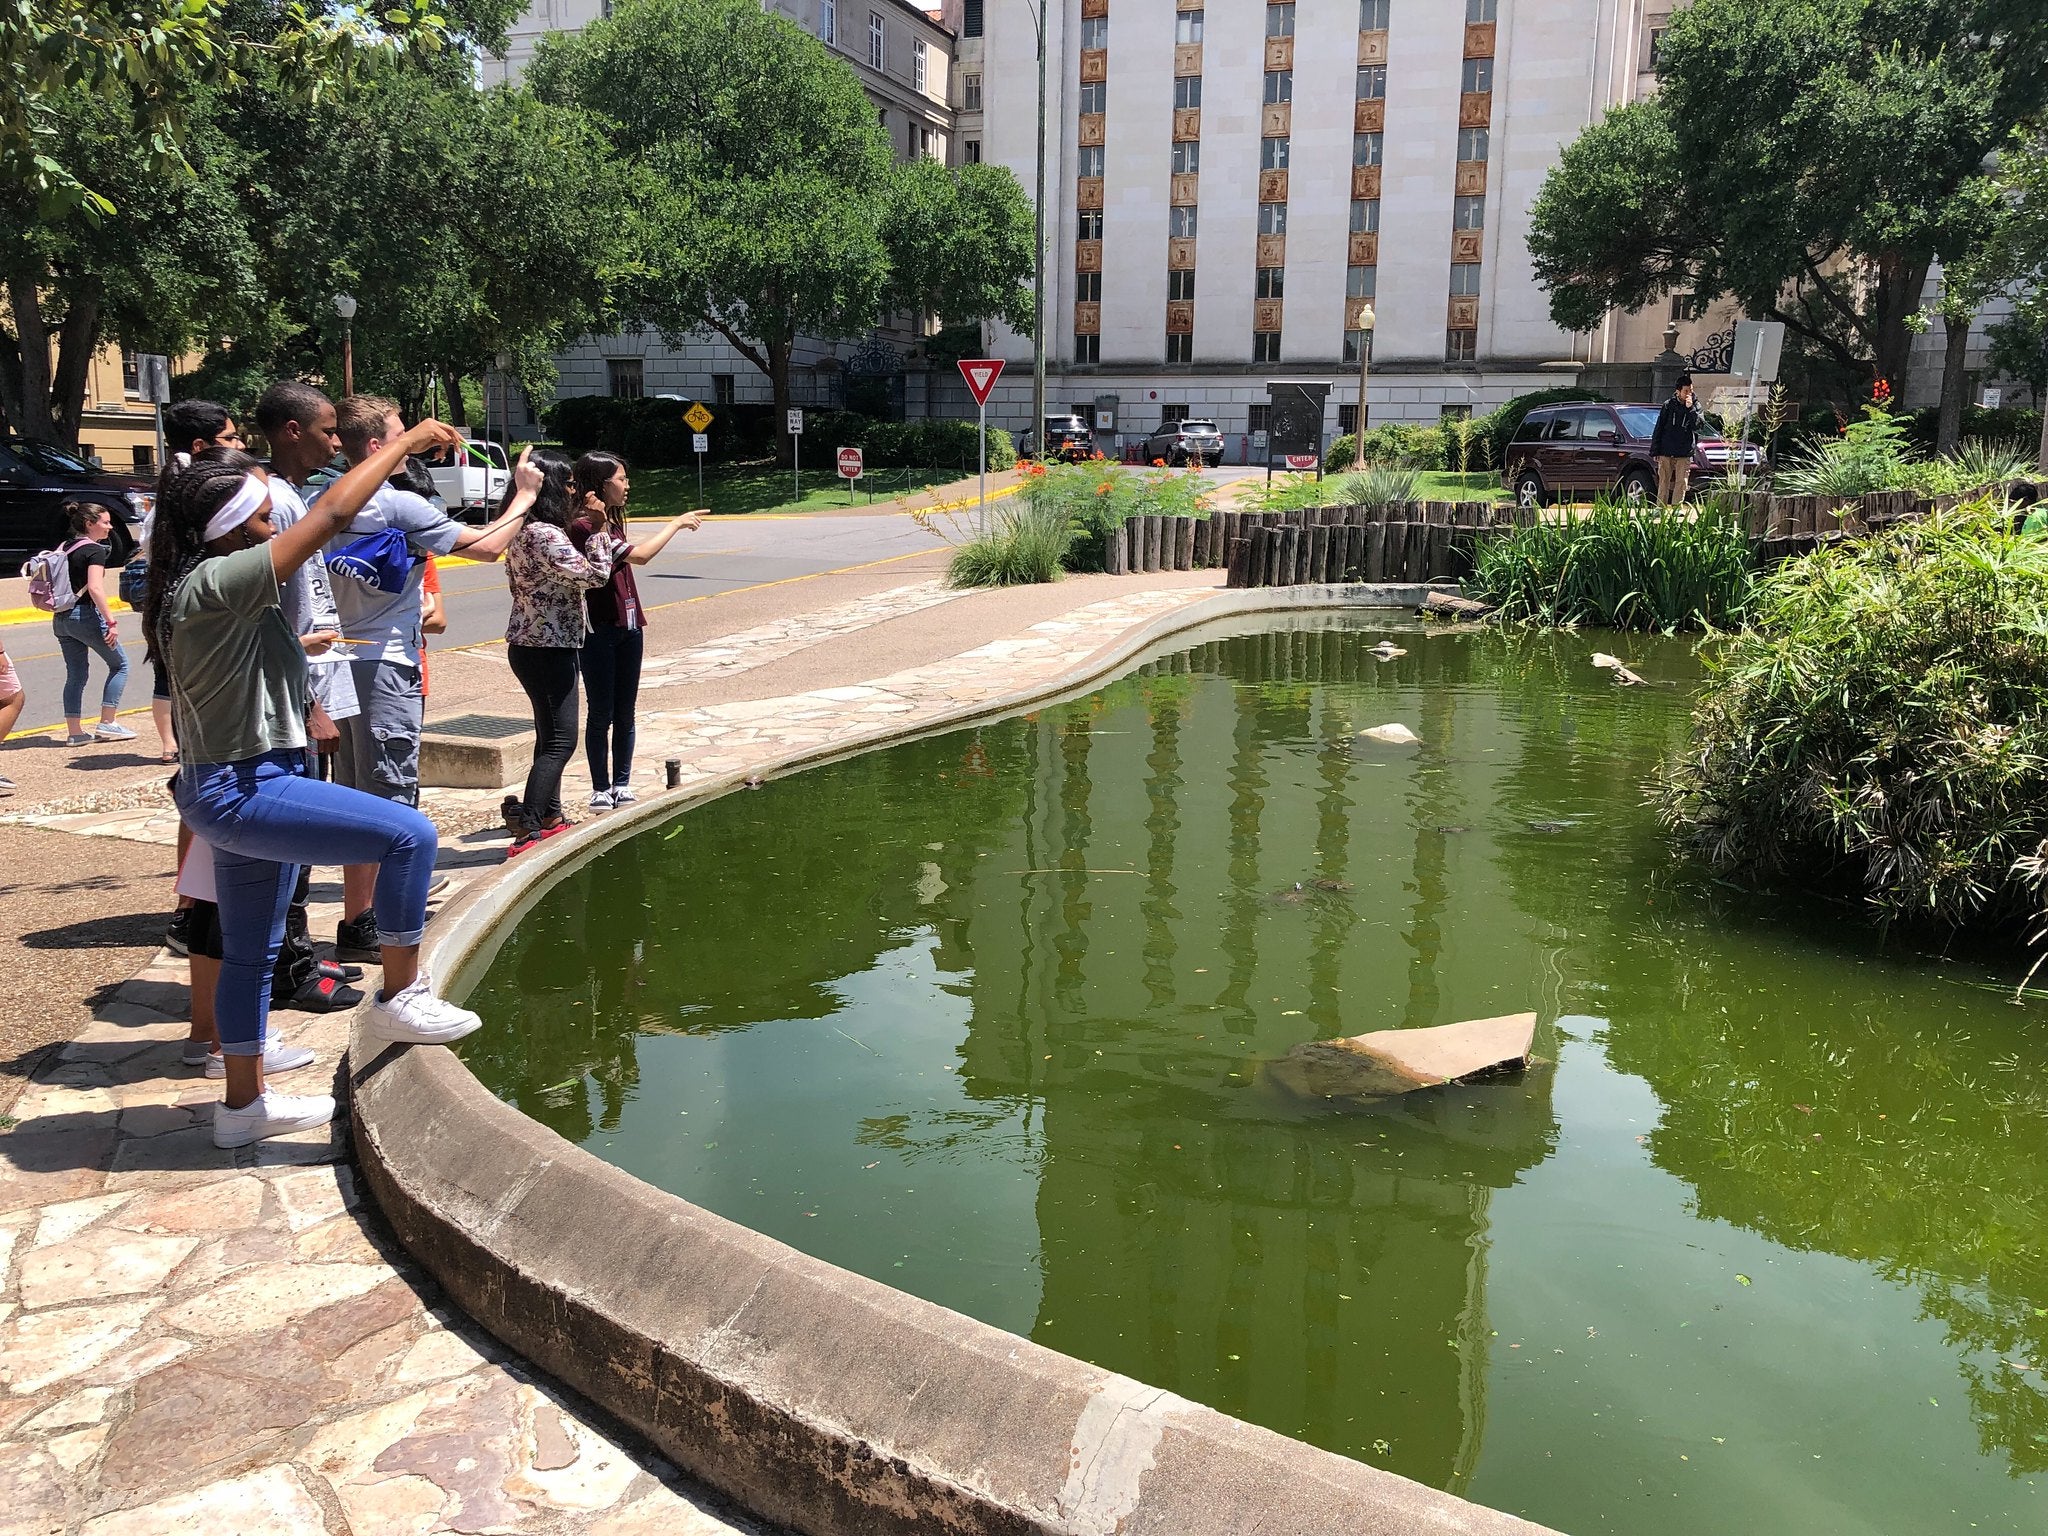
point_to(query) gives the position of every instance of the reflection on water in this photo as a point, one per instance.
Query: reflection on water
(982, 1016)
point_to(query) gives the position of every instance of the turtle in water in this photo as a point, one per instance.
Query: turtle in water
(1386, 650)
(1303, 891)
(1548, 827)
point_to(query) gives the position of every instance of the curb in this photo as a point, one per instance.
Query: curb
(815, 1397)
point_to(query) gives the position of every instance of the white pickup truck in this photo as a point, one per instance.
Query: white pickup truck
(470, 483)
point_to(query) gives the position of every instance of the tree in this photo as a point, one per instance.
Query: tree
(761, 175)
(1809, 158)
(959, 243)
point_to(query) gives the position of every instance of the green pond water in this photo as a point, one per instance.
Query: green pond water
(1766, 1249)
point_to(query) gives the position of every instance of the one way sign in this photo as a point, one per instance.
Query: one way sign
(981, 374)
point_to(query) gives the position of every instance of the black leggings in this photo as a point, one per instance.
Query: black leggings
(611, 684)
(548, 674)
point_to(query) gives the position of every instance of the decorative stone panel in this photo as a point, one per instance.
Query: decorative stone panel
(1266, 315)
(1365, 251)
(1468, 244)
(1272, 251)
(1089, 193)
(1372, 47)
(1470, 180)
(1184, 188)
(1276, 121)
(1370, 116)
(1180, 317)
(1094, 65)
(1087, 318)
(1180, 254)
(1272, 186)
(1094, 128)
(1464, 314)
(1187, 124)
(1479, 39)
(1087, 255)
(1475, 109)
(1365, 182)
(1187, 58)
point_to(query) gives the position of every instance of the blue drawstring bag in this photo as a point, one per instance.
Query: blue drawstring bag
(381, 561)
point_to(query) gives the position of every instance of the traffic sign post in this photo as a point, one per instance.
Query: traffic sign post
(981, 374)
(851, 464)
(702, 443)
(796, 437)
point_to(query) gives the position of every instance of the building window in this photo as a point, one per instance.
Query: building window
(882, 118)
(1657, 47)
(1478, 76)
(1087, 349)
(1354, 347)
(1272, 218)
(1279, 87)
(1088, 287)
(1094, 33)
(604, 9)
(1461, 411)
(1347, 420)
(1187, 157)
(1372, 82)
(1261, 416)
(919, 65)
(1468, 213)
(1272, 282)
(1368, 148)
(1266, 346)
(1361, 282)
(1365, 216)
(1180, 223)
(1372, 15)
(1474, 143)
(1464, 279)
(1280, 20)
(1180, 348)
(878, 38)
(626, 377)
(970, 151)
(722, 392)
(933, 146)
(971, 22)
(828, 20)
(1090, 224)
(1187, 27)
(1169, 414)
(1094, 97)
(145, 458)
(1273, 154)
(1482, 10)
(970, 93)
(1461, 347)
(1187, 91)
(1090, 160)
(1180, 285)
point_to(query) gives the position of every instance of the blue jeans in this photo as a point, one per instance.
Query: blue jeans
(265, 816)
(80, 637)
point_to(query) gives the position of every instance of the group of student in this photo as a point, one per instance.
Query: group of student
(284, 618)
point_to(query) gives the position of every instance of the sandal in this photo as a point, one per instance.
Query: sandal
(513, 810)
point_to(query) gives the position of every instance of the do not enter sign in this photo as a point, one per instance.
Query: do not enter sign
(849, 464)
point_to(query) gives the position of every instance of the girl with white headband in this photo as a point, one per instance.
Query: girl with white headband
(238, 689)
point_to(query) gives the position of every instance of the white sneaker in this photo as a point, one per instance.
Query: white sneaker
(109, 730)
(278, 1056)
(622, 794)
(602, 800)
(269, 1114)
(417, 1017)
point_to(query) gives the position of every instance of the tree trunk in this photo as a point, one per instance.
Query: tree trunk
(457, 407)
(2044, 443)
(778, 349)
(1901, 285)
(31, 416)
(77, 340)
(1955, 382)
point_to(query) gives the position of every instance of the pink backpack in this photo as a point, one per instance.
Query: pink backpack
(49, 578)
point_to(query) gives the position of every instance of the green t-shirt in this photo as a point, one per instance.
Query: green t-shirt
(238, 673)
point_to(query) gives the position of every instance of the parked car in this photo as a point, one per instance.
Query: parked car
(470, 484)
(1199, 443)
(37, 478)
(1067, 437)
(1592, 450)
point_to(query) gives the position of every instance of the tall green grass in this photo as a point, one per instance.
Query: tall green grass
(1622, 568)
(1883, 725)
(1026, 542)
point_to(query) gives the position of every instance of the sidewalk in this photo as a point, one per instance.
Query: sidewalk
(194, 1340)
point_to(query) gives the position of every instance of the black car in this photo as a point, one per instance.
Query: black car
(37, 478)
(1199, 443)
(1067, 437)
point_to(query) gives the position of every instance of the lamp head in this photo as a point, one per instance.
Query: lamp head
(345, 306)
(1367, 320)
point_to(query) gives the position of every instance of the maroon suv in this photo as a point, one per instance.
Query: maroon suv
(1574, 451)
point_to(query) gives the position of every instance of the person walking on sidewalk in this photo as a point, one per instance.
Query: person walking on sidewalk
(218, 568)
(376, 565)
(87, 628)
(1678, 427)
(611, 656)
(548, 575)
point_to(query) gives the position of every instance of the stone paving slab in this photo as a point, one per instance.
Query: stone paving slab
(202, 1340)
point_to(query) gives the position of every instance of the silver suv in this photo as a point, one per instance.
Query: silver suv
(1186, 442)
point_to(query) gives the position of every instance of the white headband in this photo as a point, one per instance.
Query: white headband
(247, 498)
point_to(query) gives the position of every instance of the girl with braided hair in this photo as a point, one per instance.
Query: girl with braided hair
(239, 695)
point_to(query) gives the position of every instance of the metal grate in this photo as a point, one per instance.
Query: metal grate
(480, 727)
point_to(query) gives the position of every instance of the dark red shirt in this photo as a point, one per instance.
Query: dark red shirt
(617, 603)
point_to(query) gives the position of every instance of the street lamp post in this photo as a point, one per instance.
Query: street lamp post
(1038, 262)
(345, 306)
(1366, 322)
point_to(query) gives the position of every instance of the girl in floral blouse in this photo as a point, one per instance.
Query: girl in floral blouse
(548, 576)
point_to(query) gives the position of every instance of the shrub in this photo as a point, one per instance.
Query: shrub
(1883, 725)
(1872, 454)
(2006, 424)
(1096, 498)
(1027, 542)
(1623, 568)
(1384, 486)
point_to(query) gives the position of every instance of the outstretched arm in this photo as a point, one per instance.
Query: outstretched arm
(340, 502)
(648, 549)
(489, 541)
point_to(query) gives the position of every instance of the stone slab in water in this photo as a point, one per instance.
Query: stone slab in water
(1394, 1061)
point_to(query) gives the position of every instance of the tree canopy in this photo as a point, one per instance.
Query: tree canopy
(1811, 159)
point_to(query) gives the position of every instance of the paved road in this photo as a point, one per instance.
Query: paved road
(727, 553)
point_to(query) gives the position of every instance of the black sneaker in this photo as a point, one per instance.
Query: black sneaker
(355, 938)
(178, 937)
(337, 972)
(323, 994)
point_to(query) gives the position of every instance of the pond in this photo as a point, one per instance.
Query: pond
(1762, 1246)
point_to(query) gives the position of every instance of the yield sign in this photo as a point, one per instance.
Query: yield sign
(981, 374)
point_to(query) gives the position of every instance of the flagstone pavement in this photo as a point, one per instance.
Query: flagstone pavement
(195, 1340)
